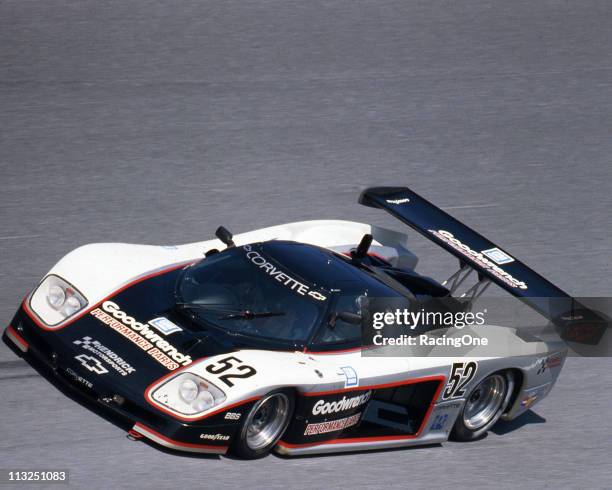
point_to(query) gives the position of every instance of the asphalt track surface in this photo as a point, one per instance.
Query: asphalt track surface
(154, 122)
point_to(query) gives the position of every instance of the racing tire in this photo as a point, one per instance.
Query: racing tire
(483, 406)
(264, 425)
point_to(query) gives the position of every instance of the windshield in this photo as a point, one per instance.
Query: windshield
(245, 291)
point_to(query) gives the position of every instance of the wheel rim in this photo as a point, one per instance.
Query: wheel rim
(484, 402)
(267, 421)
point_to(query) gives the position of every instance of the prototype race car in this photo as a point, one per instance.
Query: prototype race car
(258, 346)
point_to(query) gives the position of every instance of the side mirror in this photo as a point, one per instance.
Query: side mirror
(363, 247)
(345, 316)
(225, 236)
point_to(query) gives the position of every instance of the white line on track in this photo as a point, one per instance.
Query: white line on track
(472, 206)
(16, 237)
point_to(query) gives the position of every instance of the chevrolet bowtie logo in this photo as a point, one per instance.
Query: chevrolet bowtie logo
(91, 364)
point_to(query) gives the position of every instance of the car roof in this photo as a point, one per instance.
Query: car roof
(316, 265)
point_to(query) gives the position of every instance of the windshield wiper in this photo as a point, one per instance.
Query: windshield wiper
(249, 315)
(207, 306)
(232, 312)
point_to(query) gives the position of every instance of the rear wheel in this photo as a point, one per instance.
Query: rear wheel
(483, 407)
(264, 425)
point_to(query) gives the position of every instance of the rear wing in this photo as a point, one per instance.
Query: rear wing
(474, 251)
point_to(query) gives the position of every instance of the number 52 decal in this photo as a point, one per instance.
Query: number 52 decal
(234, 365)
(461, 374)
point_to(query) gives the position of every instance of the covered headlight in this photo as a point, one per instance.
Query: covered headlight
(56, 296)
(56, 300)
(189, 390)
(187, 394)
(71, 306)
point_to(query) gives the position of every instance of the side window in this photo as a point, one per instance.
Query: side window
(342, 331)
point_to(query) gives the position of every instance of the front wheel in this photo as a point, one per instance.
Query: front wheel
(483, 406)
(264, 425)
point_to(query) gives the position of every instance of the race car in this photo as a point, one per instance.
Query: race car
(255, 342)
